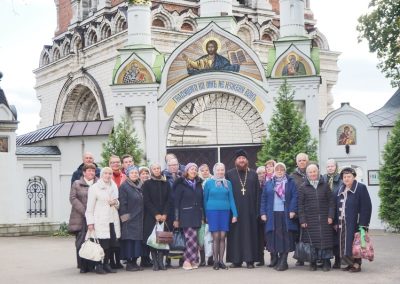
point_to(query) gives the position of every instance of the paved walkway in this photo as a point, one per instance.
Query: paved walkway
(52, 260)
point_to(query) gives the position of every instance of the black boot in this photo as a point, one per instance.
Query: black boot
(282, 262)
(326, 266)
(210, 261)
(132, 265)
(160, 260)
(274, 260)
(313, 266)
(99, 269)
(168, 262)
(118, 264)
(202, 258)
(154, 254)
(107, 268)
(336, 265)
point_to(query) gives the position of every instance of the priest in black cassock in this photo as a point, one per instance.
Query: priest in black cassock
(242, 244)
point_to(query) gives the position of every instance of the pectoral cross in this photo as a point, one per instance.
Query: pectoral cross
(243, 190)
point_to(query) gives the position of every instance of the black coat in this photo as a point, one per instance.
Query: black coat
(315, 207)
(156, 195)
(188, 203)
(358, 208)
(131, 207)
(337, 183)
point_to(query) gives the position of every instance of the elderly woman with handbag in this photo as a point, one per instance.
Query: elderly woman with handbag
(77, 222)
(278, 210)
(316, 214)
(189, 213)
(156, 196)
(131, 215)
(354, 209)
(102, 217)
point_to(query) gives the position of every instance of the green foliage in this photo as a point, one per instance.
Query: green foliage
(122, 140)
(62, 231)
(389, 180)
(381, 28)
(288, 134)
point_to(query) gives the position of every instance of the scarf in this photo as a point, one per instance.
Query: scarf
(159, 178)
(220, 181)
(135, 184)
(89, 182)
(110, 186)
(192, 183)
(117, 176)
(280, 185)
(331, 177)
(314, 183)
(301, 173)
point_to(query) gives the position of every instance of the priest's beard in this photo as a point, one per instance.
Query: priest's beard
(242, 166)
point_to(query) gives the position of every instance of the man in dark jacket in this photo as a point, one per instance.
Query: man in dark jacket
(299, 176)
(87, 158)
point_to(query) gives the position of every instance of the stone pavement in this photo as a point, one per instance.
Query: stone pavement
(51, 260)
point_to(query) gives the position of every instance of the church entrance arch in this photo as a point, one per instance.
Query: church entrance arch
(210, 127)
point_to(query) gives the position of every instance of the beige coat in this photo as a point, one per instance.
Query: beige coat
(99, 212)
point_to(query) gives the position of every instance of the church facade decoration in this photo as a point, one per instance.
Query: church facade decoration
(134, 73)
(212, 52)
(346, 135)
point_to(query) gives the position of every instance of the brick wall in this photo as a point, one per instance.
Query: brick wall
(64, 16)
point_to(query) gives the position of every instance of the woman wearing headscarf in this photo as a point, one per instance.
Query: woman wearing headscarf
(354, 210)
(219, 203)
(189, 213)
(102, 217)
(332, 178)
(131, 215)
(77, 222)
(156, 193)
(316, 213)
(278, 210)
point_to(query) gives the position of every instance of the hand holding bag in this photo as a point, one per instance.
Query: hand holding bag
(91, 250)
(164, 237)
(362, 246)
(152, 240)
(179, 243)
(304, 251)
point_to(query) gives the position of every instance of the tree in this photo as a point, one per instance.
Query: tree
(122, 140)
(389, 180)
(288, 134)
(381, 28)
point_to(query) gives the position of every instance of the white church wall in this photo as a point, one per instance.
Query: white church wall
(363, 156)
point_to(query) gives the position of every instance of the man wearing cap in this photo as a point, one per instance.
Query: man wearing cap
(242, 243)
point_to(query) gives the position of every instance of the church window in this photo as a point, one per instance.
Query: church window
(36, 197)
(105, 31)
(186, 27)
(158, 23)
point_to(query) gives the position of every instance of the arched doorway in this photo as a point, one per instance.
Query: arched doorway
(81, 105)
(210, 127)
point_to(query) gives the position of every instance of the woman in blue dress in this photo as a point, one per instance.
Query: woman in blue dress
(219, 203)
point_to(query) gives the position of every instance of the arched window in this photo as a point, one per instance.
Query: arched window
(45, 59)
(120, 24)
(92, 38)
(36, 197)
(266, 37)
(66, 49)
(105, 31)
(56, 54)
(187, 27)
(158, 23)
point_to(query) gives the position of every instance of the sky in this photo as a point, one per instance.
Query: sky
(27, 25)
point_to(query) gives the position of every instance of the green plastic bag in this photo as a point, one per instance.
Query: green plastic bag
(362, 237)
(200, 235)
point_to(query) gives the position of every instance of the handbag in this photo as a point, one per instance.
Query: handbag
(200, 235)
(91, 249)
(179, 243)
(164, 237)
(304, 251)
(208, 242)
(152, 239)
(363, 249)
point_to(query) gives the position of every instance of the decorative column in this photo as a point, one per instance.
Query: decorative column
(139, 22)
(215, 8)
(138, 116)
(292, 18)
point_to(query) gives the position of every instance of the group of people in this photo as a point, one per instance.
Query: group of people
(246, 212)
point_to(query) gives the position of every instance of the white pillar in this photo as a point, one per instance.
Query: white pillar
(215, 8)
(138, 116)
(139, 24)
(292, 18)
